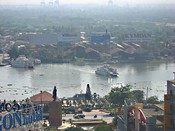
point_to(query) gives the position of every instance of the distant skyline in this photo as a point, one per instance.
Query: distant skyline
(119, 2)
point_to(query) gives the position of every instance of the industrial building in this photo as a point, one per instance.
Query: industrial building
(45, 39)
(100, 37)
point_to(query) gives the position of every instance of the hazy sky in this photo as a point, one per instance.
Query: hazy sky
(121, 2)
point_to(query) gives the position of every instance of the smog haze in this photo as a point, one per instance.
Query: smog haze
(117, 2)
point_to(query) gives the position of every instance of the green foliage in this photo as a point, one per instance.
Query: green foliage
(153, 100)
(99, 106)
(44, 125)
(13, 52)
(45, 54)
(103, 127)
(138, 96)
(114, 121)
(69, 110)
(118, 94)
(74, 129)
(24, 51)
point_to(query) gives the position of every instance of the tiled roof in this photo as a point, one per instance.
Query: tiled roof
(44, 97)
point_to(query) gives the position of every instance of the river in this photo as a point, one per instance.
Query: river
(70, 79)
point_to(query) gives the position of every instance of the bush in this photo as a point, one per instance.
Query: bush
(74, 129)
(103, 127)
(69, 111)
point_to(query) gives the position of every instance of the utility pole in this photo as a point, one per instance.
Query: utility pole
(146, 93)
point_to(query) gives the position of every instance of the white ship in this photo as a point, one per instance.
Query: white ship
(37, 61)
(106, 71)
(22, 62)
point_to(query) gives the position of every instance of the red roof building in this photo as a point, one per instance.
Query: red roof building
(42, 97)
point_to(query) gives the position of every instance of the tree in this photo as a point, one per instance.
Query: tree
(152, 100)
(138, 96)
(24, 51)
(119, 94)
(13, 52)
(103, 127)
(74, 129)
(114, 121)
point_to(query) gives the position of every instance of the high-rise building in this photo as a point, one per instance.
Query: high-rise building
(169, 106)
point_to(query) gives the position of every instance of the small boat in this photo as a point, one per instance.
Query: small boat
(22, 62)
(3, 60)
(106, 71)
(3, 64)
(37, 61)
(9, 84)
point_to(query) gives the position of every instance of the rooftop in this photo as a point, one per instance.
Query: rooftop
(43, 97)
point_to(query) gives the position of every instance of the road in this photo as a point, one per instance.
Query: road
(90, 115)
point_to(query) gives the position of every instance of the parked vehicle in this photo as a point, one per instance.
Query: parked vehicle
(95, 116)
(78, 116)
